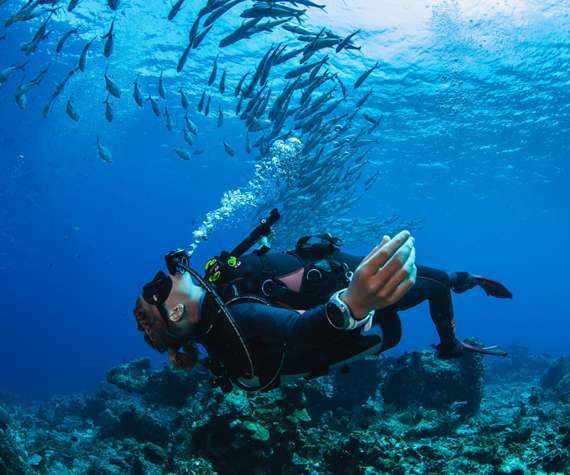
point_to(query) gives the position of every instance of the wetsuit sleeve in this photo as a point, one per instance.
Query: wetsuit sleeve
(261, 323)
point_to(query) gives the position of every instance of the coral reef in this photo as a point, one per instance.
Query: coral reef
(557, 379)
(413, 414)
(422, 379)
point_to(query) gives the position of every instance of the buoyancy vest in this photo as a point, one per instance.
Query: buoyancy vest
(301, 279)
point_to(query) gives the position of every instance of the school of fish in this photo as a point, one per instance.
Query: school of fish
(330, 172)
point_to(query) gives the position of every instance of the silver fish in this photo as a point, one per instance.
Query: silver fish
(207, 108)
(108, 110)
(71, 110)
(83, 56)
(31, 46)
(305, 68)
(48, 105)
(40, 11)
(272, 11)
(104, 152)
(244, 31)
(154, 105)
(361, 102)
(190, 125)
(258, 125)
(161, 90)
(110, 41)
(372, 178)
(211, 6)
(22, 13)
(363, 77)
(112, 85)
(363, 143)
(183, 58)
(201, 103)
(182, 153)
(175, 8)
(184, 99)
(72, 4)
(193, 31)
(188, 137)
(318, 45)
(21, 90)
(247, 144)
(8, 71)
(168, 119)
(212, 77)
(20, 100)
(61, 85)
(223, 82)
(220, 11)
(64, 37)
(220, 116)
(239, 104)
(299, 30)
(345, 41)
(370, 118)
(200, 37)
(240, 84)
(137, 94)
(287, 56)
(308, 3)
(229, 149)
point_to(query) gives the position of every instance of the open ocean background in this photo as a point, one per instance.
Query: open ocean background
(475, 139)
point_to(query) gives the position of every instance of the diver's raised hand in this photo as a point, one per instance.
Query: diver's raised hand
(383, 277)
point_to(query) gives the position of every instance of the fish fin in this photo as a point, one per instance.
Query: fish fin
(110, 30)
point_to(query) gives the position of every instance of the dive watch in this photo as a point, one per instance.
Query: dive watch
(339, 316)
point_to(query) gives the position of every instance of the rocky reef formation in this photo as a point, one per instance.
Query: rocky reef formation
(412, 414)
(425, 380)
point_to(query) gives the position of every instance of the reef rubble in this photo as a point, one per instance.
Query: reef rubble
(409, 415)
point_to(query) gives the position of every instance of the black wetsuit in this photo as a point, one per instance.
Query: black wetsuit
(309, 336)
(432, 285)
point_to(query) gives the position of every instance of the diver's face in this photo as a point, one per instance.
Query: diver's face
(151, 309)
(182, 302)
(179, 294)
(181, 284)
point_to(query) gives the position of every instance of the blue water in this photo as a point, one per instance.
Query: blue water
(475, 97)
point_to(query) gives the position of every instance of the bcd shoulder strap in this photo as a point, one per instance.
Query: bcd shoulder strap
(328, 246)
(322, 275)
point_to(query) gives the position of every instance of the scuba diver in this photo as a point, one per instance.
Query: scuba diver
(267, 318)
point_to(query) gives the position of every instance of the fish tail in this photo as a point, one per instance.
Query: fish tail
(110, 31)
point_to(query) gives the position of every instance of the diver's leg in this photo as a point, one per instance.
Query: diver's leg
(434, 285)
(431, 285)
(440, 304)
(463, 281)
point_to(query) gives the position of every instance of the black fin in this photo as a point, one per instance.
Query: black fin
(493, 350)
(492, 287)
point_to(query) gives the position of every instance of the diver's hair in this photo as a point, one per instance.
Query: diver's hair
(163, 339)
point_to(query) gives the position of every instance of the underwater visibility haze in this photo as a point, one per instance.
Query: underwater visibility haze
(466, 125)
(131, 128)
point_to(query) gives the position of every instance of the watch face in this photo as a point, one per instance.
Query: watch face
(335, 315)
